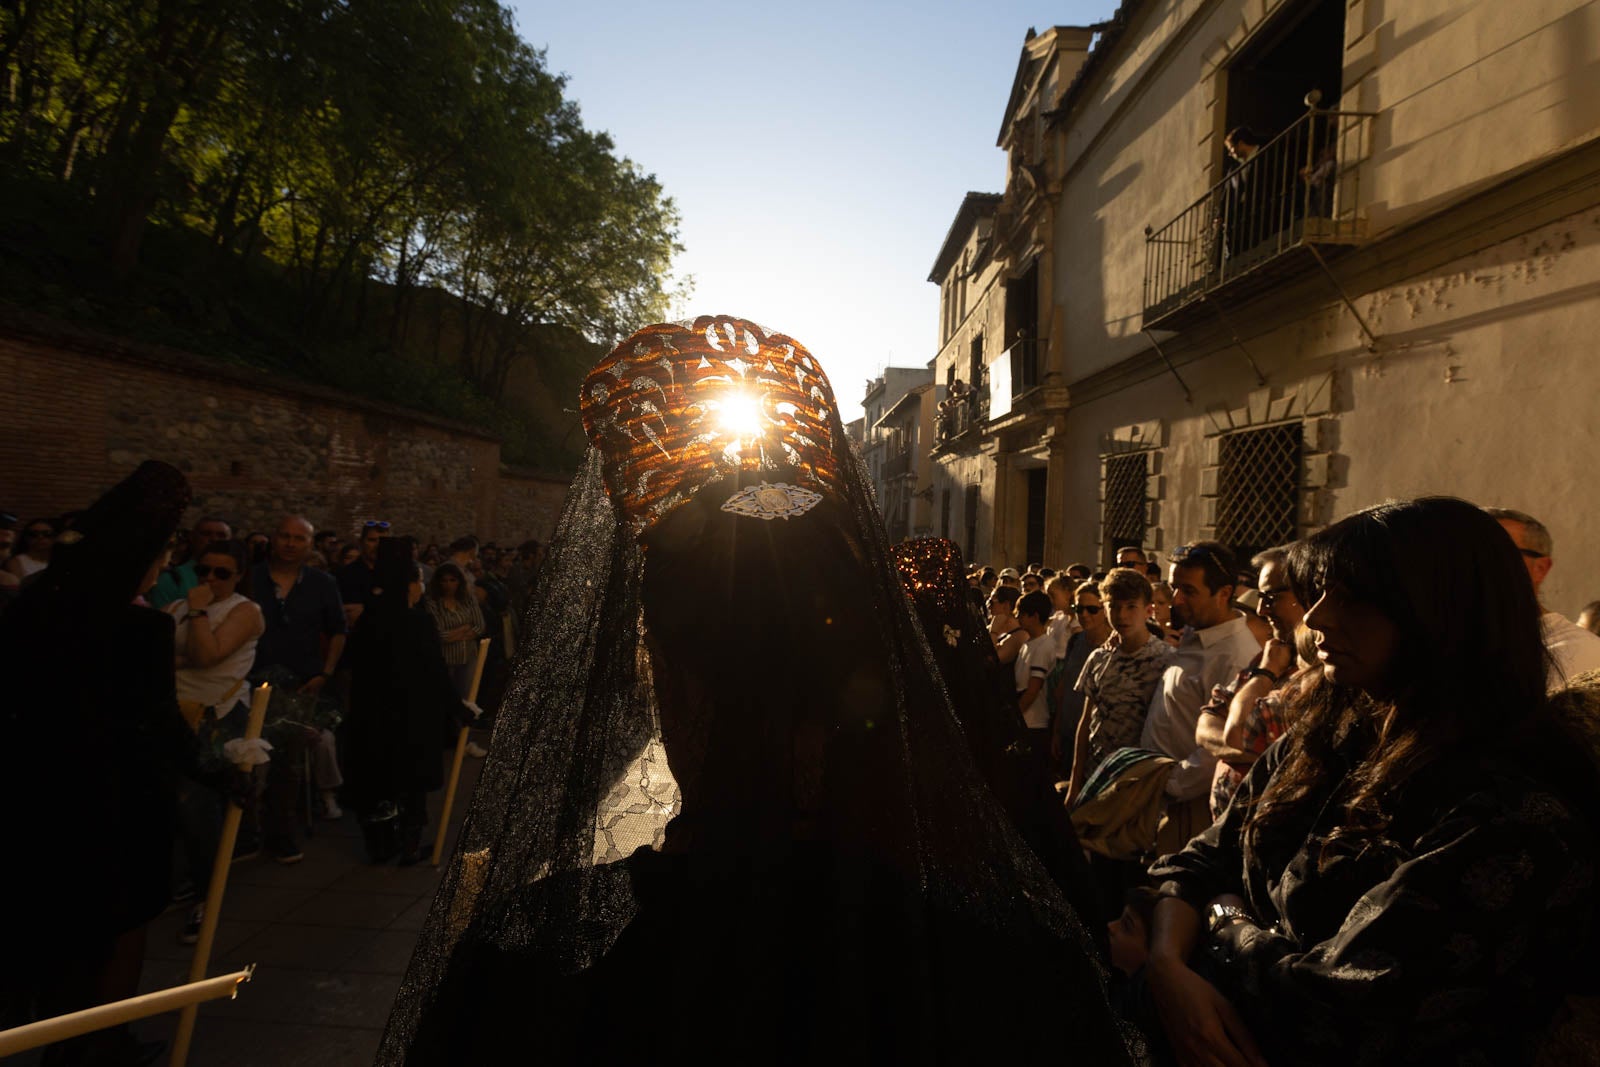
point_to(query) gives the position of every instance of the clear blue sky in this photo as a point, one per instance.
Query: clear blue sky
(817, 152)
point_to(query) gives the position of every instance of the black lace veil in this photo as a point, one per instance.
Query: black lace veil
(577, 787)
(983, 695)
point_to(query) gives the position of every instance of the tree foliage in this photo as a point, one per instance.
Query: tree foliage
(364, 153)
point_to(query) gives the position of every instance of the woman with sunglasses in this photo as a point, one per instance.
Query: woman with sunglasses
(32, 553)
(218, 627)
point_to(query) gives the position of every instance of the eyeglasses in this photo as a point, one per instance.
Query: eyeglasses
(1531, 554)
(45, 532)
(1272, 596)
(1086, 609)
(375, 524)
(222, 573)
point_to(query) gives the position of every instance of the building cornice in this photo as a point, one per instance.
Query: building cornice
(974, 206)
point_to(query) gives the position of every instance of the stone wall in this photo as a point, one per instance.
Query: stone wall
(86, 410)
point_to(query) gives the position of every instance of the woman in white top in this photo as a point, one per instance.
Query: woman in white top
(218, 627)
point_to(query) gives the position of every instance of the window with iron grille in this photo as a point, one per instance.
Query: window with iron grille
(1258, 488)
(1123, 511)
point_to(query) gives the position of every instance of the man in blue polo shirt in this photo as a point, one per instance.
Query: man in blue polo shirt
(301, 606)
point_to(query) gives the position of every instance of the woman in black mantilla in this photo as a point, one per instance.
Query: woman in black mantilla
(984, 699)
(770, 844)
(92, 746)
(403, 709)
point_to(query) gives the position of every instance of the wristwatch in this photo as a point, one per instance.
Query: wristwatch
(1220, 915)
(1262, 672)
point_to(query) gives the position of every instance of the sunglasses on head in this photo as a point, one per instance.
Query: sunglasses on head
(375, 524)
(222, 573)
(1185, 553)
(1086, 609)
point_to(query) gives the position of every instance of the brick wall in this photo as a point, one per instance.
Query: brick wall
(85, 410)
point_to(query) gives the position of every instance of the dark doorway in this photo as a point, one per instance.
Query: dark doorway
(1022, 329)
(1038, 478)
(970, 514)
(1299, 50)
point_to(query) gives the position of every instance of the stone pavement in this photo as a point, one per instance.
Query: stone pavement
(330, 937)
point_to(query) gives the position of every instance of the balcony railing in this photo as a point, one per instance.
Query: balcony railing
(1300, 190)
(960, 415)
(898, 465)
(1026, 370)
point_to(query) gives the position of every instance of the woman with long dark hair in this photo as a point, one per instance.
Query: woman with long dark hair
(455, 612)
(769, 843)
(1408, 875)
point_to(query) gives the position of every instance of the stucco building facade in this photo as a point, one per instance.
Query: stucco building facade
(906, 491)
(1393, 297)
(878, 445)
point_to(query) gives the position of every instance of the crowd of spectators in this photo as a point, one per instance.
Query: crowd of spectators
(279, 607)
(1160, 698)
(1296, 808)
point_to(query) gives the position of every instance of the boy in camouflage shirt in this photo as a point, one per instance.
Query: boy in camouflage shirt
(1119, 677)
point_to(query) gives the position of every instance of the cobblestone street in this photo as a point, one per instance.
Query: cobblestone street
(330, 937)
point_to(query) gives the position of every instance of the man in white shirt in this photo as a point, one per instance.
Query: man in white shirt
(1034, 661)
(1216, 645)
(1573, 650)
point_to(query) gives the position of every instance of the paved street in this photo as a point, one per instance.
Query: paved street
(330, 937)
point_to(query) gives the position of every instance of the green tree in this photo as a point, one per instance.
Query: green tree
(333, 161)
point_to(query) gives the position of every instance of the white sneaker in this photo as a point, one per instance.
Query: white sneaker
(331, 809)
(476, 750)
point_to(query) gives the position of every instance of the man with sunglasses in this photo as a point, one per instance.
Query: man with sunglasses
(1243, 718)
(355, 577)
(1573, 650)
(175, 582)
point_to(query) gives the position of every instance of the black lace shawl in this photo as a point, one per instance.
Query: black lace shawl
(926, 930)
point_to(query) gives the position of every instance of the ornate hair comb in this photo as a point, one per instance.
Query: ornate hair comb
(679, 405)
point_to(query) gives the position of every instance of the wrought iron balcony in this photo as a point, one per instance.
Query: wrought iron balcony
(1297, 198)
(956, 417)
(1027, 371)
(898, 465)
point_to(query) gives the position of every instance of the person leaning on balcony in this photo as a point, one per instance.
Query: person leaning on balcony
(1241, 144)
